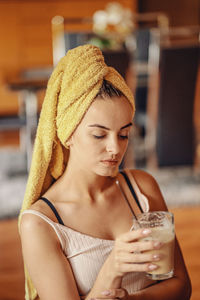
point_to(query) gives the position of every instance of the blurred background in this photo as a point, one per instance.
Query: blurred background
(155, 47)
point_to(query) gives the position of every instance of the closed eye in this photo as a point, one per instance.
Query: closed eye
(123, 137)
(99, 136)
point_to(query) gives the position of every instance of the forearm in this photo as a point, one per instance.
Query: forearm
(118, 262)
(173, 289)
(106, 280)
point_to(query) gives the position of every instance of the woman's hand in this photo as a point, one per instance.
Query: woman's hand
(130, 253)
(112, 294)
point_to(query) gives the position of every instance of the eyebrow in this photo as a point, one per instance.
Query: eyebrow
(106, 128)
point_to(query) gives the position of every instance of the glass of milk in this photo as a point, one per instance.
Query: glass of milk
(161, 224)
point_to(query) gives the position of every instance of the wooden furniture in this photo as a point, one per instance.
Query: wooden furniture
(68, 33)
(148, 29)
(26, 37)
(27, 88)
(175, 139)
(170, 136)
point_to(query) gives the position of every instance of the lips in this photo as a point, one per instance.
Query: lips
(110, 161)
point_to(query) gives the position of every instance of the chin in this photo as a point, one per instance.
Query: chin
(111, 172)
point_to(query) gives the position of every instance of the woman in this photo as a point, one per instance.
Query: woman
(78, 210)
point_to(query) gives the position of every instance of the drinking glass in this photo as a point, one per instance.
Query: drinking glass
(161, 224)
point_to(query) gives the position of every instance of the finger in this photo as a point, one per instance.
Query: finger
(115, 293)
(104, 298)
(101, 298)
(120, 293)
(135, 235)
(141, 246)
(147, 267)
(138, 257)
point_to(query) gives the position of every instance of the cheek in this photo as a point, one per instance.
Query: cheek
(124, 148)
(126, 143)
(89, 148)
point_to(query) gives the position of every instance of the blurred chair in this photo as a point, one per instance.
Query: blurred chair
(10, 123)
(68, 33)
(197, 125)
(27, 83)
(148, 29)
(170, 136)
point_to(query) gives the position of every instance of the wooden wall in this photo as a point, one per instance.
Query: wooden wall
(25, 36)
(180, 12)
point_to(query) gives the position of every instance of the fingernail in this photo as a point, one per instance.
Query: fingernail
(156, 257)
(106, 293)
(146, 231)
(157, 244)
(152, 267)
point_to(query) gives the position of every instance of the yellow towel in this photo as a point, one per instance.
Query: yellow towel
(71, 89)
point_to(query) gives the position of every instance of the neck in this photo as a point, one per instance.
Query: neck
(85, 184)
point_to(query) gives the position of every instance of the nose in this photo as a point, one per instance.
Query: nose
(113, 146)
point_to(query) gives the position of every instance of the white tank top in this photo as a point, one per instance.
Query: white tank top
(87, 254)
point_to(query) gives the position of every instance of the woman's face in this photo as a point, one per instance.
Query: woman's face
(100, 141)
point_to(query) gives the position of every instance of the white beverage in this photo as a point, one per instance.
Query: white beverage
(166, 264)
(161, 224)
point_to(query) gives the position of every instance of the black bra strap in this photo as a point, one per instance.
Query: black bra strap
(131, 189)
(53, 209)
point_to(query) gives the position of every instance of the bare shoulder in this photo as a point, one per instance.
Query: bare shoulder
(35, 227)
(145, 180)
(150, 188)
(32, 225)
(43, 208)
(31, 222)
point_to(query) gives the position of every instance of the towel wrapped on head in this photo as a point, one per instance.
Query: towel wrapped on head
(72, 87)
